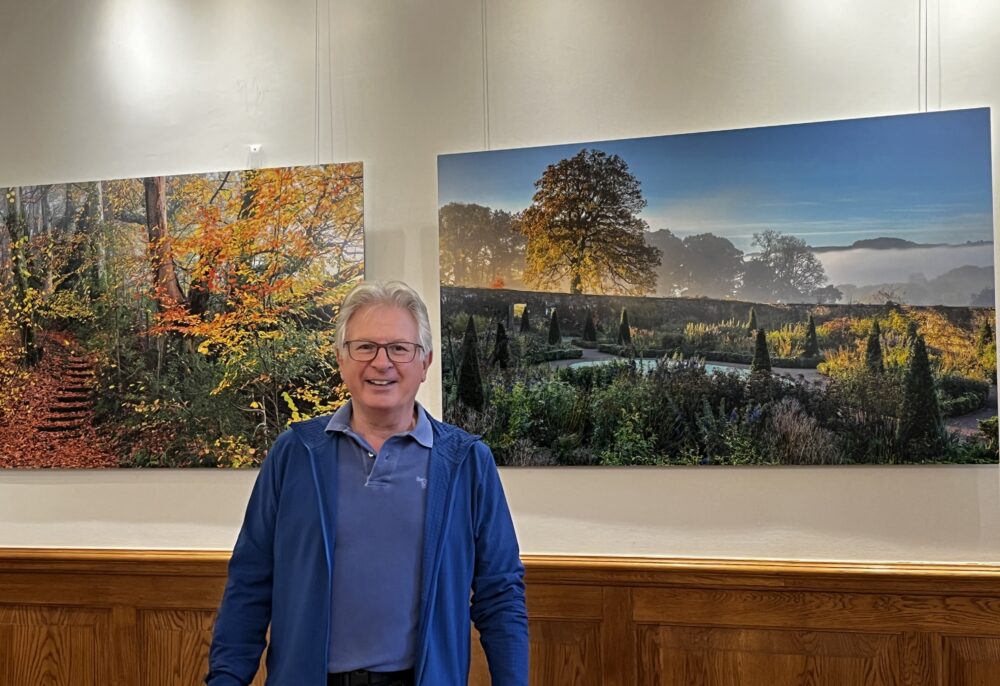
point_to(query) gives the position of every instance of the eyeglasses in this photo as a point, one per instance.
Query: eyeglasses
(397, 351)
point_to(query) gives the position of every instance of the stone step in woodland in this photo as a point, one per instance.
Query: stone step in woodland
(76, 425)
(67, 408)
(58, 417)
(60, 428)
(69, 413)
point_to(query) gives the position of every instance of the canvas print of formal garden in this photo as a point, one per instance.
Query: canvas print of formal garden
(172, 321)
(813, 294)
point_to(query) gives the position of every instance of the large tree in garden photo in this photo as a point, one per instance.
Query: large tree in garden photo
(784, 269)
(701, 265)
(583, 230)
(479, 246)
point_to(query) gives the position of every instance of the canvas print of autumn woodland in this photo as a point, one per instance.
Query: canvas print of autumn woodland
(817, 294)
(172, 321)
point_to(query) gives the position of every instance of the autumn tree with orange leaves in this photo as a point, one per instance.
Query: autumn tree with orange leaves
(583, 229)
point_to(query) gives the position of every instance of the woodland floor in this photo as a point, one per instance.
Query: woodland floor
(47, 412)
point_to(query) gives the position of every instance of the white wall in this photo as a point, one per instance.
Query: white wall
(111, 88)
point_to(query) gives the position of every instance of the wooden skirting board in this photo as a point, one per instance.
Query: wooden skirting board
(143, 618)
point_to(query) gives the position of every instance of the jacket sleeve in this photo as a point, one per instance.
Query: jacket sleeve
(498, 606)
(245, 612)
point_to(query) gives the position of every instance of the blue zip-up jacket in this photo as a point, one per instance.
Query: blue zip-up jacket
(282, 565)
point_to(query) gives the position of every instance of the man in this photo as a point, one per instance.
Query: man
(367, 531)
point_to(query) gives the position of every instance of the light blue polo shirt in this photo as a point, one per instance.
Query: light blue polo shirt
(381, 500)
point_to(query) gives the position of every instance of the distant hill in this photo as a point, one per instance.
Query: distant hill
(887, 243)
(884, 243)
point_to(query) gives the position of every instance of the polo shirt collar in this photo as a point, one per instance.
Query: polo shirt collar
(422, 432)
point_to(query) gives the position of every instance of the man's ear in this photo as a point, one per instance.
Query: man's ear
(427, 363)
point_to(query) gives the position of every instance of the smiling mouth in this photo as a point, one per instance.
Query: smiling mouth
(380, 382)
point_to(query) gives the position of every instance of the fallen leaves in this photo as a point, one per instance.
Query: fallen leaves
(46, 420)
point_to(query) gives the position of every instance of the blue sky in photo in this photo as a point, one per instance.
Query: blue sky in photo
(920, 177)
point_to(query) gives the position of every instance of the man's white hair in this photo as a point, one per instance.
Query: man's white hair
(395, 293)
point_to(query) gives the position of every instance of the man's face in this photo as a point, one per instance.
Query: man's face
(381, 386)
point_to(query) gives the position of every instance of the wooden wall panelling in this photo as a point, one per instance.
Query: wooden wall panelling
(971, 660)
(174, 645)
(565, 634)
(919, 659)
(565, 630)
(55, 646)
(125, 658)
(126, 618)
(618, 646)
(913, 622)
(703, 656)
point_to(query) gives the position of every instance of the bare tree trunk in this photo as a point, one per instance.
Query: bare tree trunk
(100, 246)
(17, 234)
(6, 265)
(67, 225)
(46, 228)
(99, 197)
(5, 256)
(166, 285)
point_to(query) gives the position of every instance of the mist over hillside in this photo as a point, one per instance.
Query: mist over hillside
(963, 286)
(868, 270)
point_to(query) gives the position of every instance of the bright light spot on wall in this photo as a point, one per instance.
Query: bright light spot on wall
(141, 50)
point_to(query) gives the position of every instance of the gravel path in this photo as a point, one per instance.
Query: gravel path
(968, 424)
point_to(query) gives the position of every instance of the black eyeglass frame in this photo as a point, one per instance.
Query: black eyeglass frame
(379, 346)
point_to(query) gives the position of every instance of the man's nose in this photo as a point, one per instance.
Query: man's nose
(384, 361)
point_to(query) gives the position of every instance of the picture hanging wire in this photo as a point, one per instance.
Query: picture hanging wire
(318, 79)
(924, 55)
(316, 62)
(486, 81)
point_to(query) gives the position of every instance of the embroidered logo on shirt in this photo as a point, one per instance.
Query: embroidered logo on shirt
(422, 481)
